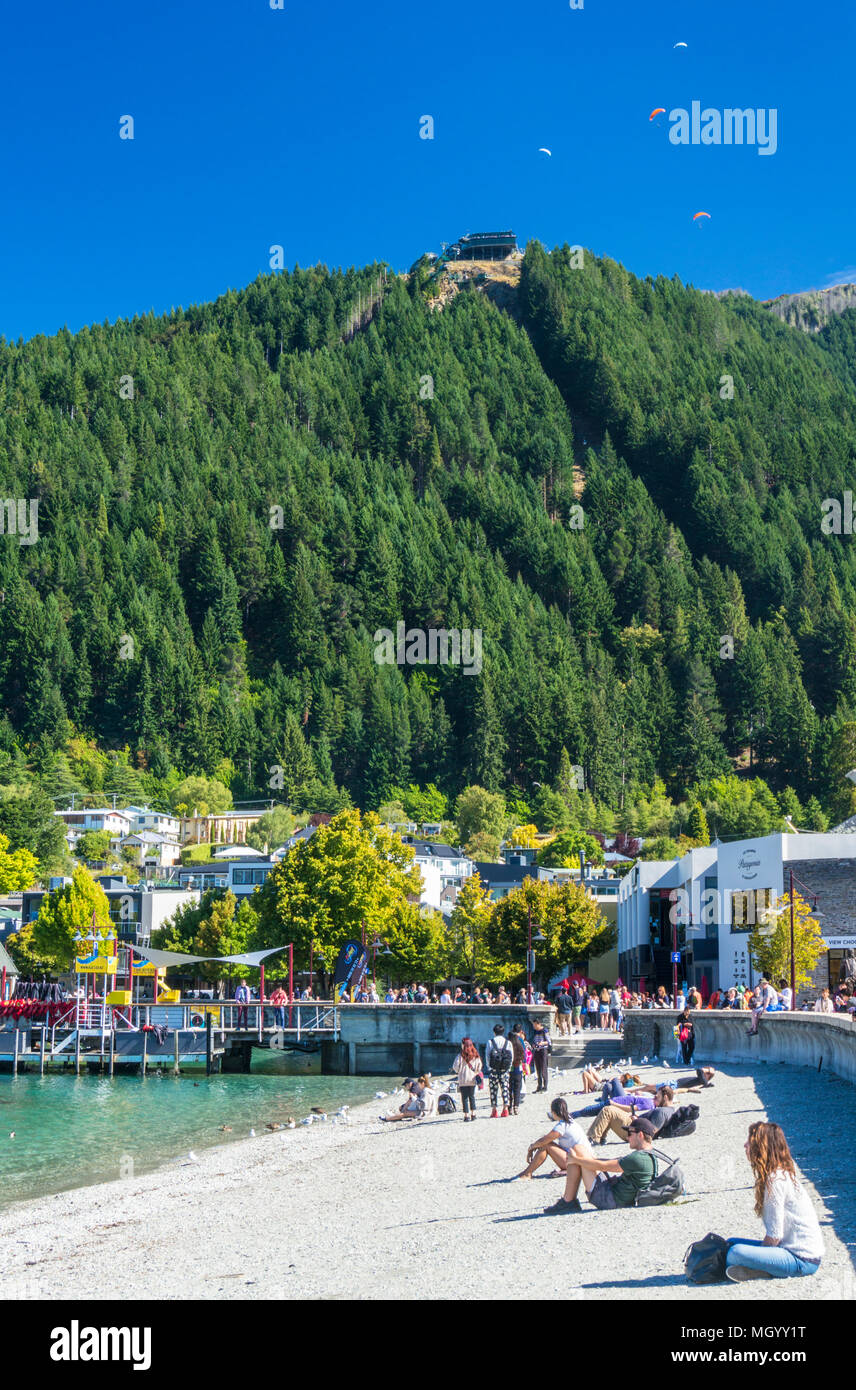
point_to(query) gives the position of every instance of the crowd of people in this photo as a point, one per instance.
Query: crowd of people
(623, 1107)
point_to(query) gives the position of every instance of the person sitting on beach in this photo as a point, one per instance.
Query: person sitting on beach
(611, 1183)
(468, 1067)
(414, 1107)
(617, 1115)
(564, 1141)
(793, 1243)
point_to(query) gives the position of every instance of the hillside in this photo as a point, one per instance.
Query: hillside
(322, 455)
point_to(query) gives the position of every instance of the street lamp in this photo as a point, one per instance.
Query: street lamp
(530, 958)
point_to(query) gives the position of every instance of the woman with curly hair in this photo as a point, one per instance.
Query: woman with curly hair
(793, 1244)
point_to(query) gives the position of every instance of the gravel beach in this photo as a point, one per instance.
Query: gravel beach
(425, 1210)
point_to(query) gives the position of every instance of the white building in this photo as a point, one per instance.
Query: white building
(705, 904)
(159, 822)
(443, 870)
(116, 823)
(152, 851)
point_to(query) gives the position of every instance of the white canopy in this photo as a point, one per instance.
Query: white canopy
(163, 959)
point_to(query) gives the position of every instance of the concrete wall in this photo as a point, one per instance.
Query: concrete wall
(406, 1039)
(722, 1036)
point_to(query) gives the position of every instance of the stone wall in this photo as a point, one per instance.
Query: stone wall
(826, 1042)
(835, 883)
(406, 1039)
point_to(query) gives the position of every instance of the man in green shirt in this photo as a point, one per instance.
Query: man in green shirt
(632, 1174)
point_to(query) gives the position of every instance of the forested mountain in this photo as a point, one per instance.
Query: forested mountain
(320, 455)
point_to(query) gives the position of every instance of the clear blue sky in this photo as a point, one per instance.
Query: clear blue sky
(301, 127)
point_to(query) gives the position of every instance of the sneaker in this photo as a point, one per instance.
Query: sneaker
(504, 1115)
(494, 1114)
(563, 1208)
(739, 1274)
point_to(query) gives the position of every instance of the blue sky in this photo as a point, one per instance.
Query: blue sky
(300, 127)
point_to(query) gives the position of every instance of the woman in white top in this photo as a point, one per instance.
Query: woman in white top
(793, 1244)
(565, 1139)
(824, 1004)
(468, 1068)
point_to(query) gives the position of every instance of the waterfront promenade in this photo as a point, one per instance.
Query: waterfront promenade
(410, 1211)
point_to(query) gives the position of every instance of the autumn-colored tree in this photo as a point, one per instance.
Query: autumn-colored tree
(770, 942)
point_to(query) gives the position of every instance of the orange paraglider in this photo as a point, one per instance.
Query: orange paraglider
(658, 111)
(697, 215)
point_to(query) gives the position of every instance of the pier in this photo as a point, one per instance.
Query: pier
(220, 1036)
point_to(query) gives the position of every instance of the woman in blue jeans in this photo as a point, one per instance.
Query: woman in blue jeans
(793, 1243)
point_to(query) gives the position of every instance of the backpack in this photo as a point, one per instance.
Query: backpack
(446, 1104)
(665, 1186)
(500, 1057)
(704, 1262)
(682, 1122)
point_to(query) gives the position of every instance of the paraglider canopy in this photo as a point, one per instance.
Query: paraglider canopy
(697, 215)
(542, 149)
(658, 111)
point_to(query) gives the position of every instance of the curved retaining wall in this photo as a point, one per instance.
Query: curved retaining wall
(803, 1039)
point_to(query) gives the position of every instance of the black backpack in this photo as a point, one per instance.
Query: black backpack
(665, 1186)
(704, 1262)
(500, 1058)
(446, 1104)
(682, 1122)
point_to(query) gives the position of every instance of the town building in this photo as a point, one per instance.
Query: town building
(443, 870)
(705, 904)
(152, 851)
(482, 246)
(226, 827)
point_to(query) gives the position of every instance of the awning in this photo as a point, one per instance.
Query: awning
(164, 959)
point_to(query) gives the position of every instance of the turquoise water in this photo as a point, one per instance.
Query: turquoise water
(71, 1131)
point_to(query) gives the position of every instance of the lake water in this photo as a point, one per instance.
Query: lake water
(71, 1131)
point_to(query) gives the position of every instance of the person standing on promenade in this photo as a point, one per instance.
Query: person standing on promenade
(824, 1004)
(603, 1010)
(278, 1000)
(765, 998)
(541, 1049)
(614, 1009)
(793, 1243)
(467, 1067)
(499, 1055)
(577, 1001)
(242, 999)
(564, 1009)
(518, 1062)
(686, 1037)
(591, 1010)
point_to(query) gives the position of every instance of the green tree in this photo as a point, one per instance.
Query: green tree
(93, 846)
(76, 907)
(352, 873)
(569, 920)
(469, 925)
(18, 868)
(272, 829)
(483, 846)
(697, 828)
(480, 810)
(201, 795)
(563, 852)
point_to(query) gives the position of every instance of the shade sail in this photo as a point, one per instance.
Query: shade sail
(164, 959)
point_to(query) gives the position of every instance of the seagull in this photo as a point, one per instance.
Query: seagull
(12, 1134)
(644, 1060)
(308, 1120)
(226, 1129)
(252, 1134)
(381, 1095)
(291, 1124)
(192, 1157)
(273, 1125)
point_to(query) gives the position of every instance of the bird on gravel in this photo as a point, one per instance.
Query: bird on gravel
(308, 1120)
(381, 1095)
(252, 1134)
(226, 1129)
(273, 1125)
(292, 1124)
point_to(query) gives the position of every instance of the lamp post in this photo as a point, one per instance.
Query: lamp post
(530, 958)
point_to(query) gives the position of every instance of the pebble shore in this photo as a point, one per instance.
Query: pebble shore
(428, 1210)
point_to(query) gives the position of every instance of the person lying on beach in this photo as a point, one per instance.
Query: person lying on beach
(612, 1182)
(564, 1141)
(618, 1115)
(702, 1078)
